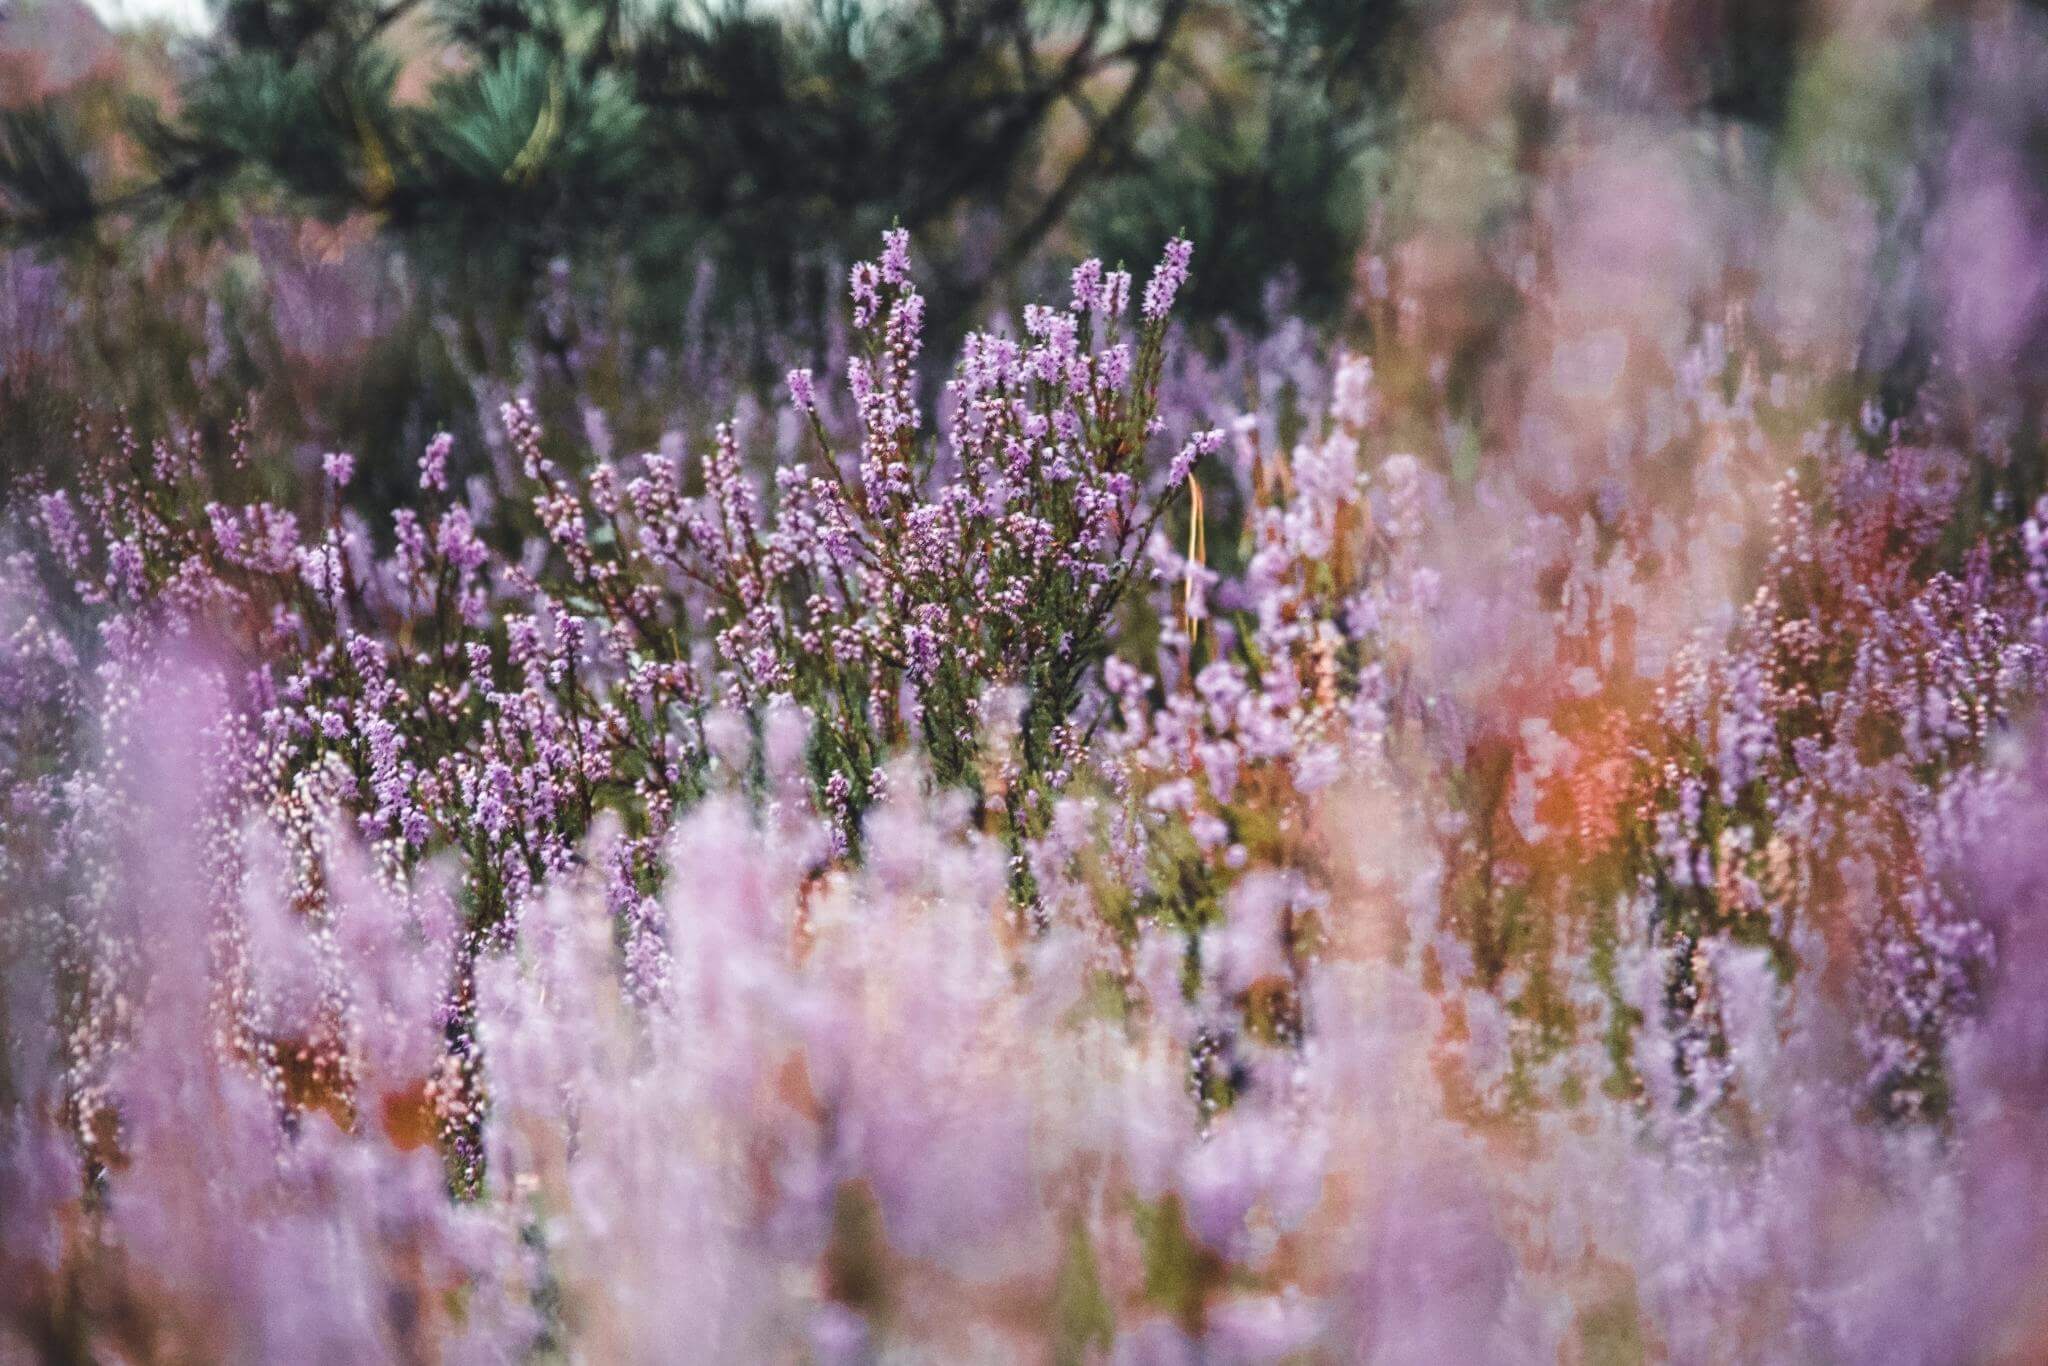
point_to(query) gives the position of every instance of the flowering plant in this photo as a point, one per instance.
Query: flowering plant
(928, 905)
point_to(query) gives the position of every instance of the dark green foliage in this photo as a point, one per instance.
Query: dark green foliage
(1750, 69)
(770, 140)
(43, 183)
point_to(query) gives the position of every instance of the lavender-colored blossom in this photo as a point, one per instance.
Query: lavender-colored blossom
(434, 463)
(1167, 279)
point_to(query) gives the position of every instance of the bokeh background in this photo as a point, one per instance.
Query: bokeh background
(355, 217)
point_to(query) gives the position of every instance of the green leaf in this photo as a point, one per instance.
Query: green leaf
(43, 180)
(1081, 1312)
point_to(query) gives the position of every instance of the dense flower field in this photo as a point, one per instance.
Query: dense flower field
(1493, 812)
(1079, 870)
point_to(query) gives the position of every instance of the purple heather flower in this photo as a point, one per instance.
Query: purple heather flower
(1167, 278)
(895, 263)
(1087, 287)
(803, 391)
(1201, 444)
(434, 462)
(1116, 293)
(339, 467)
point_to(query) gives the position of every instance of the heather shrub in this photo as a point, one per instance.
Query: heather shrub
(933, 907)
